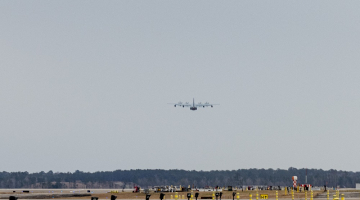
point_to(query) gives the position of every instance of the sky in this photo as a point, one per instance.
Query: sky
(85, 85)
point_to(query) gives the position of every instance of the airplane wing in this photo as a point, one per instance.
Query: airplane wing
(180, 104)
(176, 104)
(198, 105)
(205, 104)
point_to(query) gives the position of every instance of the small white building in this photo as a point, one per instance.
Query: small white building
(358, 186)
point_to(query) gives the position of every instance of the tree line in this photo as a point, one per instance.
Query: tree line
(121, 179)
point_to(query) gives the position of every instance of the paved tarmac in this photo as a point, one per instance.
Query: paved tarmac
(95, 191)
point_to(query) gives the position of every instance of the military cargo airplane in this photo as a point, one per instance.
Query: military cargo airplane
(193, 106)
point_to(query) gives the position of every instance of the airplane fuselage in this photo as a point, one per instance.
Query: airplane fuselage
(193, 108)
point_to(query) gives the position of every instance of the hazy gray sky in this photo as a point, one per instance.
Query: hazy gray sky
(85, 85)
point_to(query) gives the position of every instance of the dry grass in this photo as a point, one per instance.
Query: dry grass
(226, 195)
(182, 195)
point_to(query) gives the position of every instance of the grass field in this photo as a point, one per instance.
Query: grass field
(182, 195)
(226, 195)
